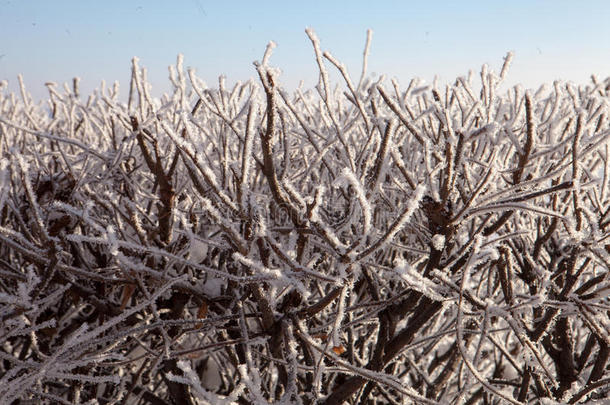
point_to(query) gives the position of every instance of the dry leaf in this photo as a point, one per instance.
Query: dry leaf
(128, 290)
(339, 350)
(322, 336)
(202, 313)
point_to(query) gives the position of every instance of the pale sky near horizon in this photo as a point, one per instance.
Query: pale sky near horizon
(57, 40)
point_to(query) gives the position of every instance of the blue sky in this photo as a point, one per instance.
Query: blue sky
(95, 40)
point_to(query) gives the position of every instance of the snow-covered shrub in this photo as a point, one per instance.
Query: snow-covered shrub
(354, 242)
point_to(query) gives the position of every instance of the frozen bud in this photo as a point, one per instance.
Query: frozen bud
(438, 241)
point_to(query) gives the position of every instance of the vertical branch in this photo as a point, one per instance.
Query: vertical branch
(576, 171)
(246, 158)
(447, 181)
(529, 139)
(166, 190)
(383, 151)
(365, 57)
(327, 96)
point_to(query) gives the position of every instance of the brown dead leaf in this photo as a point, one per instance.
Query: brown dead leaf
(128, 291)
(202, 313)
(339, 350)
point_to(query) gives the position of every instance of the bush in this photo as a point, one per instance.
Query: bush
(351, 244)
